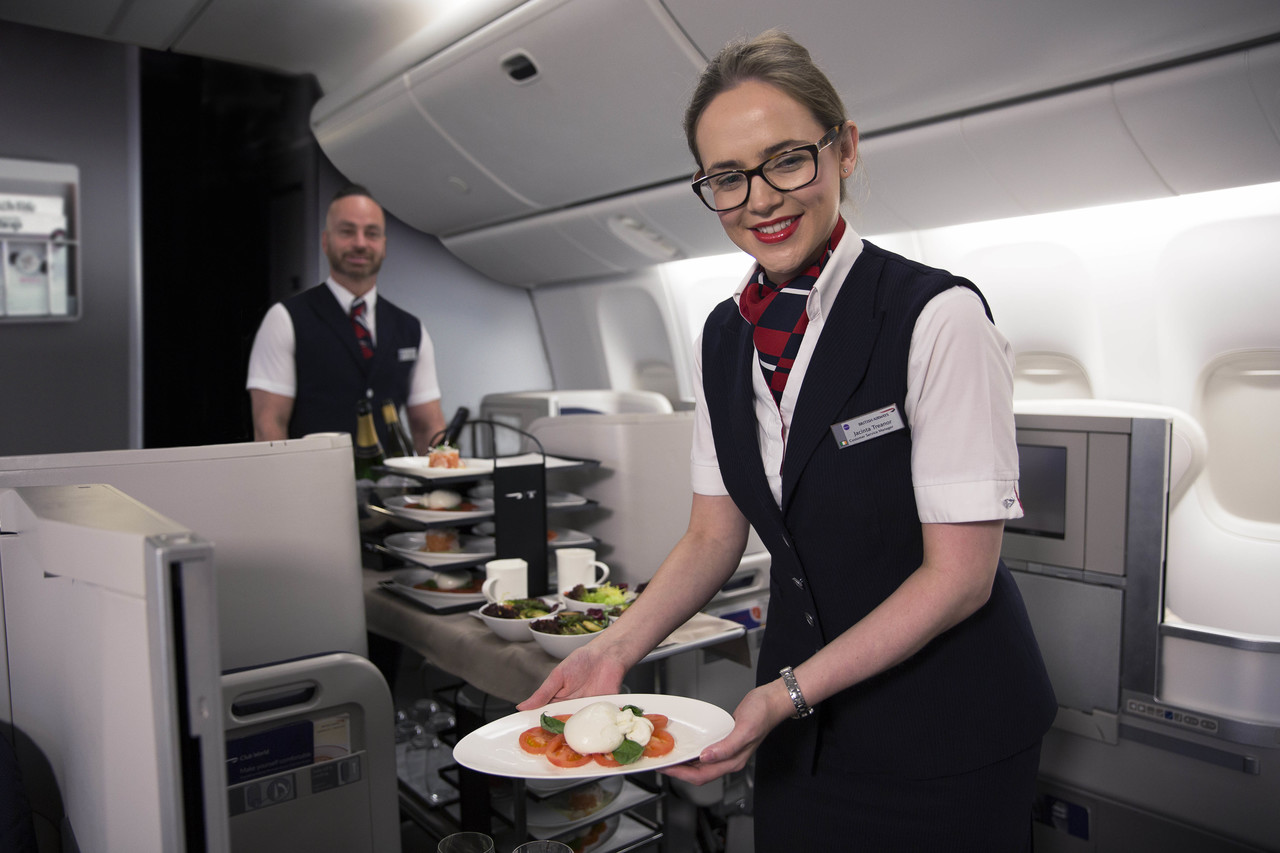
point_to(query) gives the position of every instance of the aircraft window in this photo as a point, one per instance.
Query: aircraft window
(1048, 375)
(1239, 407)
(698, 284)
(634, 337)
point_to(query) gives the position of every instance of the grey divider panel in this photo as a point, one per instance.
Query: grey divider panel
(311, 757)
(1078, 628)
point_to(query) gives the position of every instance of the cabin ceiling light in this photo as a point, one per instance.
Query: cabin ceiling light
(643, 239)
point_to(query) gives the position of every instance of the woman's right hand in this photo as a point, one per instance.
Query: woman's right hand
(586, 672)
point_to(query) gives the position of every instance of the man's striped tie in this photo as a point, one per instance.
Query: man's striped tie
(361, 325)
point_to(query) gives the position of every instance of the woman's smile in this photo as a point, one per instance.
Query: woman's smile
(786, 231)
(776, 230)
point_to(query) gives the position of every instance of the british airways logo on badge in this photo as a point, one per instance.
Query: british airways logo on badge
(868, 426)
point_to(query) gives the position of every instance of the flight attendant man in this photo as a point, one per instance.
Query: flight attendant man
(318, 353)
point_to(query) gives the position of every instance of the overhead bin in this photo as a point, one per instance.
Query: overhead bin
(603, 238)
(1207, 125)
(384, 142)
(1212, 124)
(1078, 136)
(928, 177)
(545, 146)
(523, 115)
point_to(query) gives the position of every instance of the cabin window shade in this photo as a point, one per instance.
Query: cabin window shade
(1049, 376)
(1239, 407)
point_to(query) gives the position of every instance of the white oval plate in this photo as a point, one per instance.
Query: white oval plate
(419, 465)
(554, 812)
(409, 544)
(610, 827)
(563, 537)
(406, 579)
(494, 748)
(566, 538)
(563, 500)
(399, 505)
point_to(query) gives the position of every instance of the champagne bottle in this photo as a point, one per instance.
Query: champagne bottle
(397, 436)
(454, 430)
(368, 450)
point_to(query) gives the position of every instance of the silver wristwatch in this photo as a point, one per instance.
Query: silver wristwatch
(797, 698)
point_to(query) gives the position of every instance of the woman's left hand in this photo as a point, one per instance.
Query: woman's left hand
(759, 712)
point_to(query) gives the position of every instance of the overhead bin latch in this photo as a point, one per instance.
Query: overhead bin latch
(519, 67)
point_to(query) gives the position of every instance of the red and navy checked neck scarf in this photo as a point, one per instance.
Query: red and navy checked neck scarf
(779, 315)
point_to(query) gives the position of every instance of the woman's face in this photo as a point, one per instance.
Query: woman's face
(741, 128)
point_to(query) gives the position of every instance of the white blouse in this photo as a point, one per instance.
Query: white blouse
(959, 404)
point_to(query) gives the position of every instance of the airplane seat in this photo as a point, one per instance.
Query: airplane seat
(1189, 450)
(311, 759)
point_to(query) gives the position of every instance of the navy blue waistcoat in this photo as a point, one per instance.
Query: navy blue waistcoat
(332, 376)
(848, 534)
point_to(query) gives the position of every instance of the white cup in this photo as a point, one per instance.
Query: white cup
(506, 579)
(578, 566)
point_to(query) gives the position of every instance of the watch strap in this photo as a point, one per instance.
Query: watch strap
(797, 698)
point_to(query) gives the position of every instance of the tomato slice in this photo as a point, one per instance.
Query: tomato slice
(561, 754)
(660, 743)
(535, 740)
(659, 720)
(605, 759)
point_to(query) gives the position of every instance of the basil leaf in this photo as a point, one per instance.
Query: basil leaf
(628, 753)
(551, 724)
(637, 711)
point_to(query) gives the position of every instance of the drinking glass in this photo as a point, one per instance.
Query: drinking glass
(466, 842)
(543, 847)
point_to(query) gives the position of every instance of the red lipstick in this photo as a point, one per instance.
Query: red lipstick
(777, 236)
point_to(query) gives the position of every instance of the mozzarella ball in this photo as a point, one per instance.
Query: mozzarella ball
(594, 729)
(443, 499)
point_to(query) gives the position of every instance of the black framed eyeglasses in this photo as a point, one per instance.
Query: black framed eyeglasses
(792, 169)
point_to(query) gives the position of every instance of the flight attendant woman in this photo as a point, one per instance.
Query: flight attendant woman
(855, 408)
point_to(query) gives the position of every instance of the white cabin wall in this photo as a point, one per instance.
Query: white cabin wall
(1143, 294)
(1148, 297)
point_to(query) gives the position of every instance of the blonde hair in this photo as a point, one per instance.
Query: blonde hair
(772, 57)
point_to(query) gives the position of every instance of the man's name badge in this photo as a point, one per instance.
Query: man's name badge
(866, 427)
(408, 354)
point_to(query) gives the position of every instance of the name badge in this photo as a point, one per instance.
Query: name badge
(866, 427)
(408, 353)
